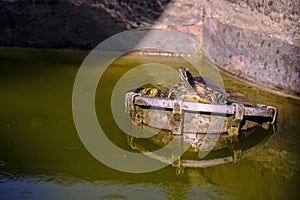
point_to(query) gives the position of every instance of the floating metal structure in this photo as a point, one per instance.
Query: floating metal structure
(235, 123)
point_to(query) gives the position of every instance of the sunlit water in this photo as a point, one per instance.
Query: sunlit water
(42, 157)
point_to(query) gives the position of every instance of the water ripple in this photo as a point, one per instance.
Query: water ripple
(221, 193)
(2, 163)
(4, 176)
(22, 186)
(25, 195)
(204, 192)
(113, 197)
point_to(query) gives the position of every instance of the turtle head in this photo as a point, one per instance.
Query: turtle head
(186, 77)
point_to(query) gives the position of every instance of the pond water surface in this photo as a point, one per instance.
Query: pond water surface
(42, 157)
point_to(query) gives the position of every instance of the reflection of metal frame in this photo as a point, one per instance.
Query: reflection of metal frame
(247, 144)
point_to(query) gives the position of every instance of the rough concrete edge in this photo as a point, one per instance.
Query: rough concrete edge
(258, 86)
(208, 12)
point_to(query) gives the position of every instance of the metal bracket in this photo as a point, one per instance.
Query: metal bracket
(177, 117)
(235, 148)
(275, 112)
(130, 141)
(129, 100)
(237, 155)
(135, 112)
(239, 113)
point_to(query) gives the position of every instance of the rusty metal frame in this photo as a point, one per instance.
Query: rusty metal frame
(135, 102)
(179, 105)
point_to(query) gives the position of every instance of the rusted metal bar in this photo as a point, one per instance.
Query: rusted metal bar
(259, 111)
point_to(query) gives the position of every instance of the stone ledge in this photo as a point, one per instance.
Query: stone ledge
(251, 46)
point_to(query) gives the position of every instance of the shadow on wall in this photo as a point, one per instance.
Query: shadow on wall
(72, 23)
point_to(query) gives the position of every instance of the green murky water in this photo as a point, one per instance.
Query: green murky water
(42, 157)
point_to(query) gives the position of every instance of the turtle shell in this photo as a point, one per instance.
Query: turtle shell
(199, 88)
(216, 93)
(149, 91)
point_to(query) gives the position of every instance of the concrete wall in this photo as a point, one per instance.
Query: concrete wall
(252, 45)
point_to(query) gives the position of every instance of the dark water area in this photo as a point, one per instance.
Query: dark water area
(42, 156)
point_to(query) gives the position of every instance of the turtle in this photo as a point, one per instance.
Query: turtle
(149, 91)
(200, 89)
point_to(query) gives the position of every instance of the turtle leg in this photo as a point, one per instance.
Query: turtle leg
(213, 98)
(194, 98)
(200, 99)
(170, 94)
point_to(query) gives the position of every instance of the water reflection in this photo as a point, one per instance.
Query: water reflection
(57, 187)
(2, 163)
(41, 156)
